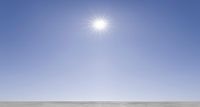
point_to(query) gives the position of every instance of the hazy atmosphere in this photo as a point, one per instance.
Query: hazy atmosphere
(100, 50)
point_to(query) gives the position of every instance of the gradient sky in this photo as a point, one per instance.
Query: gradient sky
(151, 51)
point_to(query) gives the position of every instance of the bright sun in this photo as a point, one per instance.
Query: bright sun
(100, 24)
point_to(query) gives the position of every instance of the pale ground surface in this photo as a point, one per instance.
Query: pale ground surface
(99, 104)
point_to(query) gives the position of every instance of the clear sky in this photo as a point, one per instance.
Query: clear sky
(150, 51)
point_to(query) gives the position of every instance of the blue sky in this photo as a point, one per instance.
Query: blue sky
(150, 51)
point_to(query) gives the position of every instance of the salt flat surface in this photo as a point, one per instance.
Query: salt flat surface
(99, 104)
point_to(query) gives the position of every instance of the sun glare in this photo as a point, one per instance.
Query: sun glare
(100, 24)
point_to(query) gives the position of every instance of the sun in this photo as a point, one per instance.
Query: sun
(99, 24)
